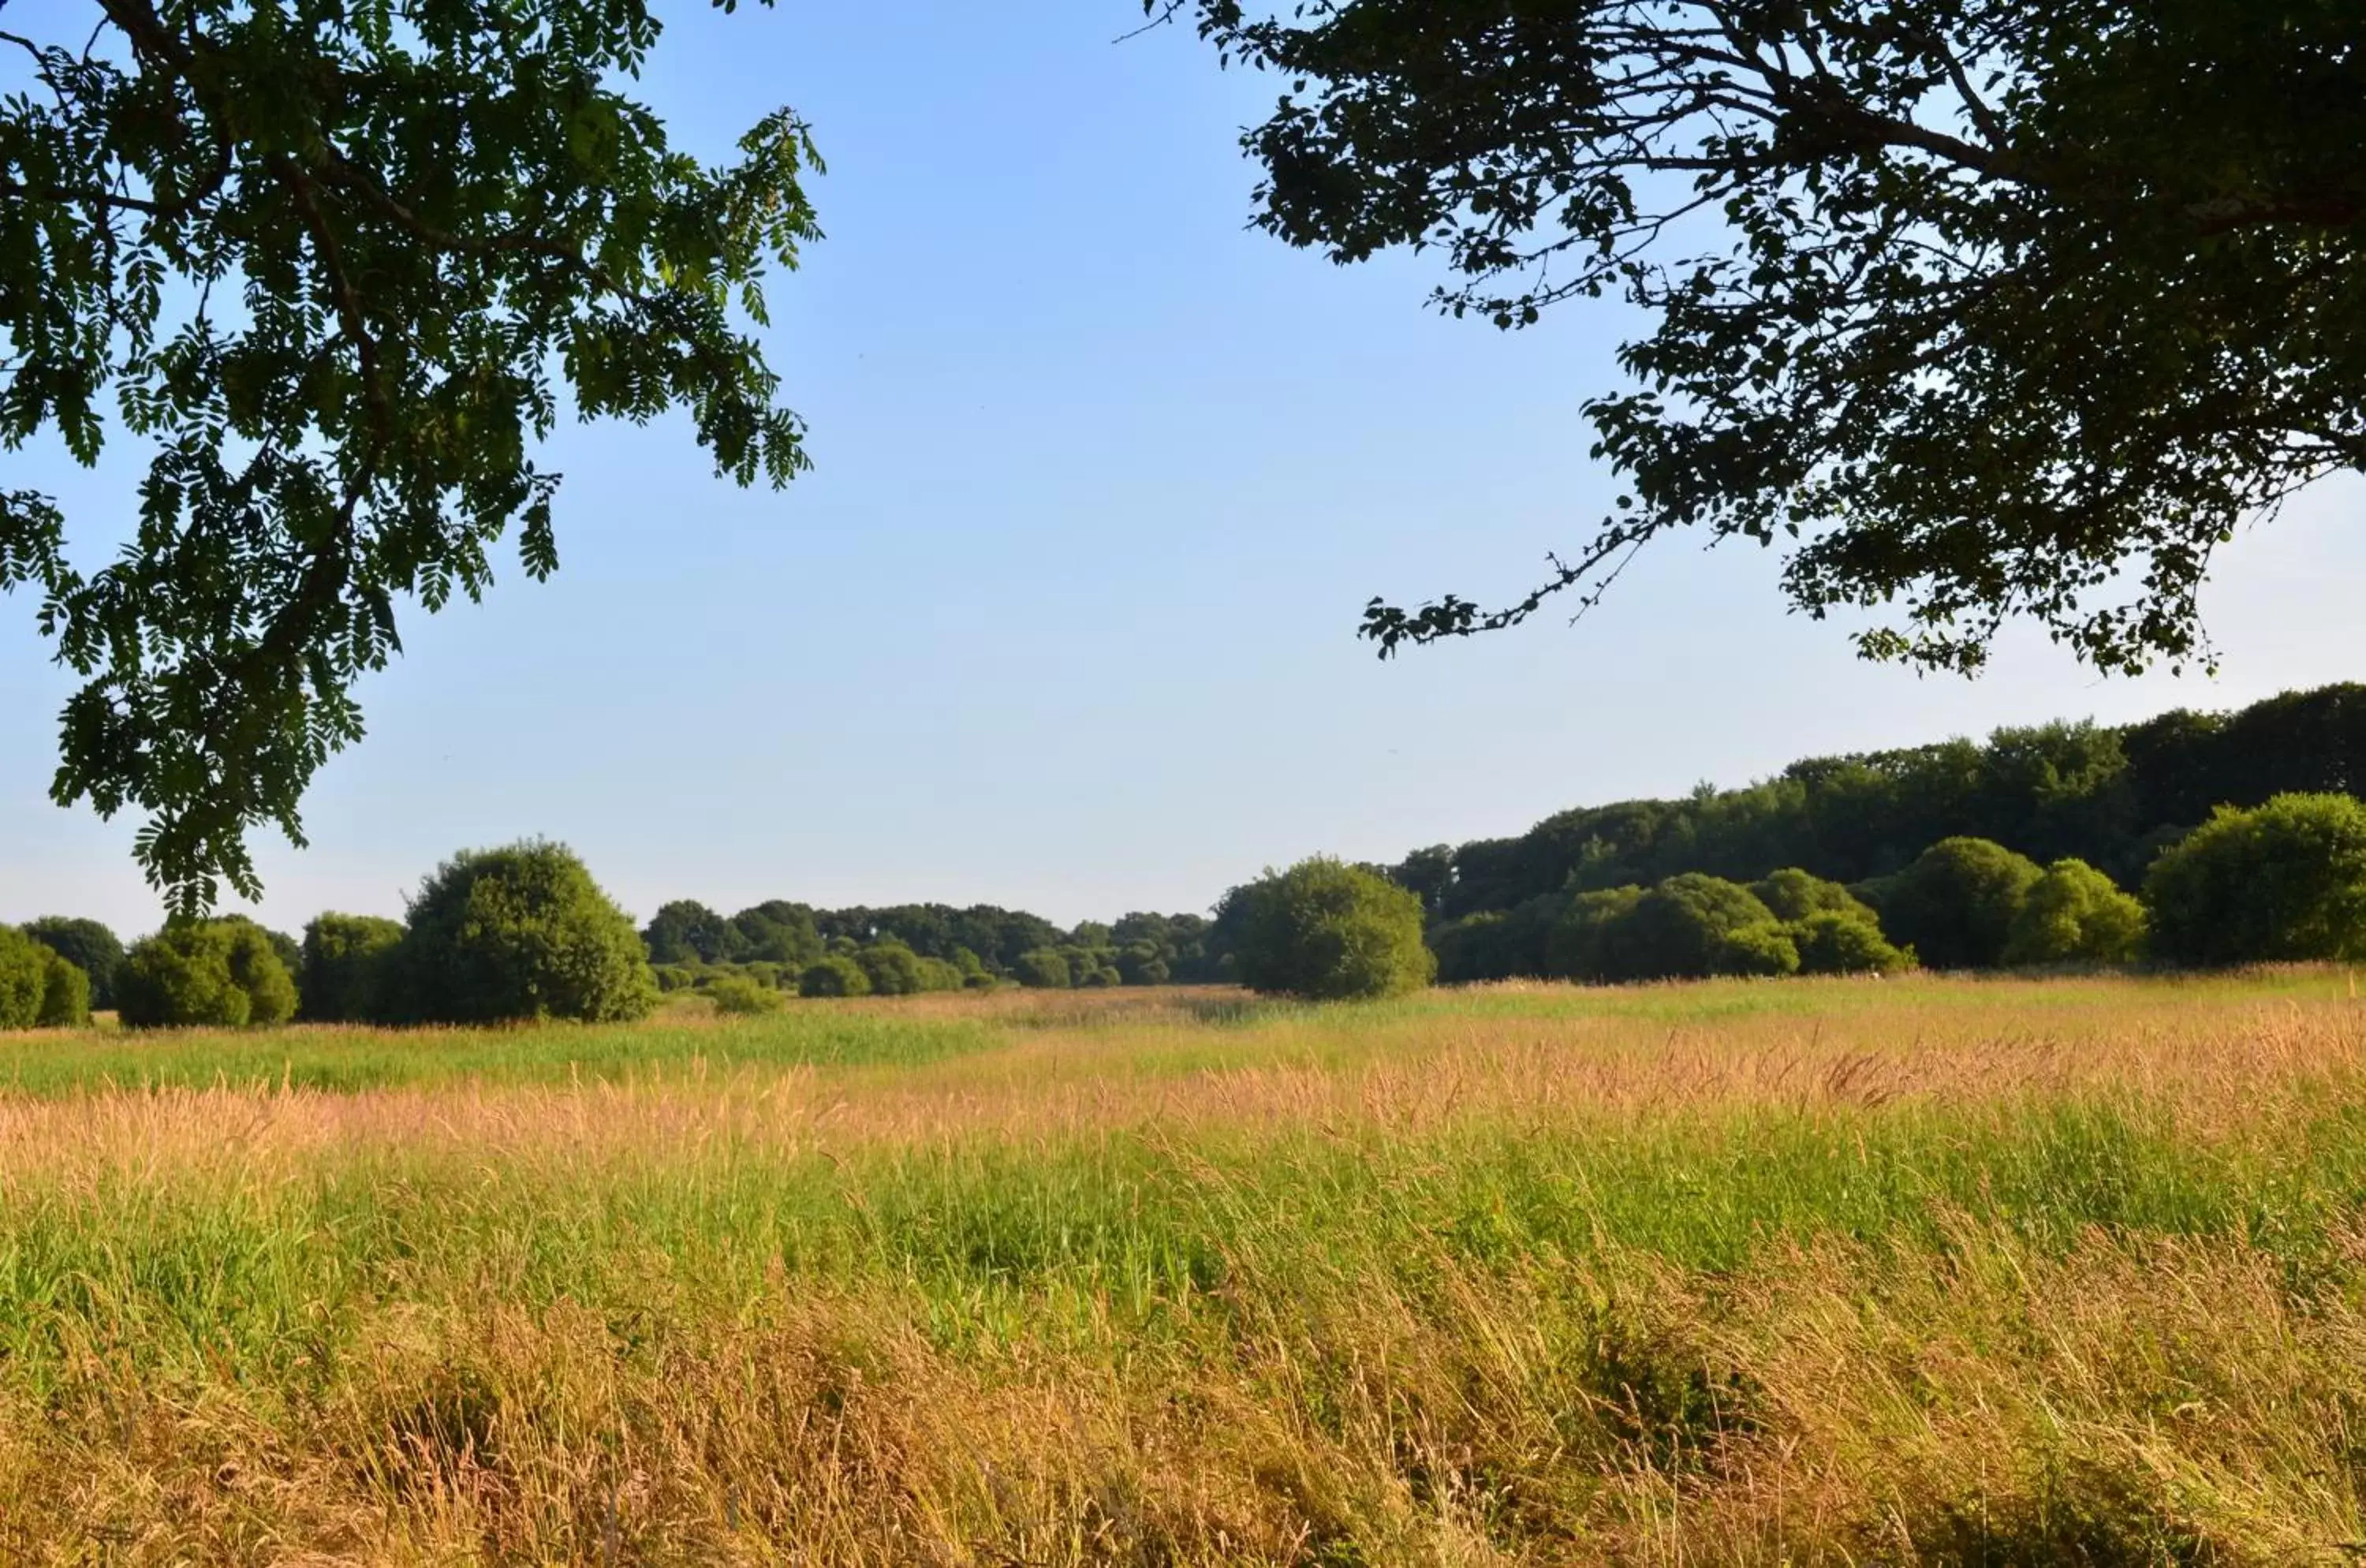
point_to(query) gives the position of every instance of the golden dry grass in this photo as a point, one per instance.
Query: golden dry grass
(1945, 1272)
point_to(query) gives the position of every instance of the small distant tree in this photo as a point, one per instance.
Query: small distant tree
(1763, 947)
(2074, 914)
(686, 931)
(893, 969)
(346, 964)
(1330, 930)
(211, 973)
(1044, 969)
(65, 995)
(2284, 881)
(1678, 929)
(1833, 943)
(89, 946)
(834, 975)
(779, 932)
(1955, 904)
(24, 976)
(520, 933)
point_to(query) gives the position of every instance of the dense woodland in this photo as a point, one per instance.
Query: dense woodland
(2111, 797)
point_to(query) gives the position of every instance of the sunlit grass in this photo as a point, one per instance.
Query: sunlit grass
(2008, 1271)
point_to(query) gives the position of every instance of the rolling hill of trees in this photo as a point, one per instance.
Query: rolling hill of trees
(2111, 797)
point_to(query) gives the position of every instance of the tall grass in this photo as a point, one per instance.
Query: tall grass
(1934, 1270)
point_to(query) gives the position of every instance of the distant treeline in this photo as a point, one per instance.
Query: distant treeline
(2111, 797)
(779, 942)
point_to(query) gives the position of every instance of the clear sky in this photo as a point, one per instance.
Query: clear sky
(1064, 618)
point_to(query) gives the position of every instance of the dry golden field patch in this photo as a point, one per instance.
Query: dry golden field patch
(1929, 1271)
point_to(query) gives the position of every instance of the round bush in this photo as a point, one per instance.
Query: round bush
(212, 974)
(2074, 914)
(1044, 969)
(89, 946)
(1794, 895)
(744, 998)
(2284, 881)
(939, 975)
(346, 961)
(520, 933)
(1678, 929)
(834, 975)
(1329, 930)
(24, 976)
(1761, 948)
(65, 996)
(893, 969)
(1955, 906)
(1831, 942)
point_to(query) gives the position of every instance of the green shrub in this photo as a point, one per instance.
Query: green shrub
(1043, 968)
(1833, 943)
(24, 976)
(1585, 942)
(834, 975)
(1678, 929)
(65, 995)
(893, 969)
(2284, 881)
(89, 946)
(1764, 947)
(2074, 914)
(258, 965)
(1794, 895)
(744, 998)
(1327, 930)
(939, 975)
(673, 978)
(1956, 904)
(520, 933)
(346, 959)
(765, 973)
(212, 974)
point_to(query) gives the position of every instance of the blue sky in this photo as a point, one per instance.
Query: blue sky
(1064, 618)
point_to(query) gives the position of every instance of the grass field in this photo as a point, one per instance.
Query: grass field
(1933, 1270)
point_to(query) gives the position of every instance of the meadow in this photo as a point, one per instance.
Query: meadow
(1923, 1270)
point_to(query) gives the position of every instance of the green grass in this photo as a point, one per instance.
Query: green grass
(2026, 1271)
(342, 1060)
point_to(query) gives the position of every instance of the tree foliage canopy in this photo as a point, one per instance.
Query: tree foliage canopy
(2285, 881)
(1957, 904)
(88, 945)
(1327, 930)
(1979, 307)
(341, 264)
(216, 974)
(519, 932)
